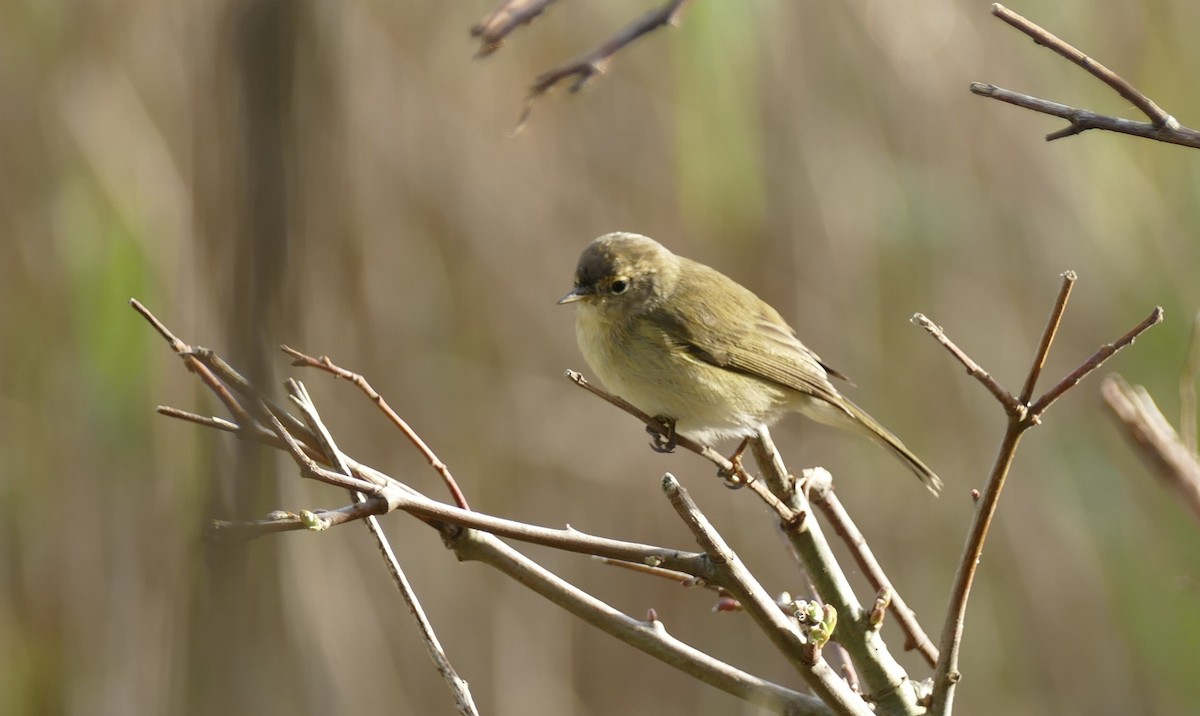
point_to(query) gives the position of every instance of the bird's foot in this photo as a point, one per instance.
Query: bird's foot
(735, 479)
(662, 440)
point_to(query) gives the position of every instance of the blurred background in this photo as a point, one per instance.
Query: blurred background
(342, 177)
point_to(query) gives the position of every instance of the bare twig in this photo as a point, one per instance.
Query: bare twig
(1020, 420)
(458, 687)
(184, 351)
(302, 360)
(1098, 358)
(779, 628)
(1011, 405)
(1174, 463)
(1105, 75)
(648, 636)
(1048, 334)
(1082, 120)
(596, 62)
(914, 636)
(1162, 126)
(508, 16)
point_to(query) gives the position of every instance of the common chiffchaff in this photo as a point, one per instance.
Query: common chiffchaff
(686, 343)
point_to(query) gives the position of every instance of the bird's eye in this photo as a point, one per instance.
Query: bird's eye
(618, 287)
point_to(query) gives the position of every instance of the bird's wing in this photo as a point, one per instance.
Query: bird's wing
(764, 347)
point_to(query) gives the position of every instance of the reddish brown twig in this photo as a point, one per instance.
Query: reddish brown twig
(324, 363)
(1162, 126)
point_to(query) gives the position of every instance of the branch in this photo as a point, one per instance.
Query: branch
(734, 473)
(324, 363)
(596, 62)
(886, 682)
(1012, 406)
(494, 28)
(458, 687)
(1021, 419)
(1154, 439)
(1098, 359)
(915, 637)
(649, 636)
(1162, 126)
(783, 631)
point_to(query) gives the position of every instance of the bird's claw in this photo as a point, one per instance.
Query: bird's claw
(660, 442)
(735, 479)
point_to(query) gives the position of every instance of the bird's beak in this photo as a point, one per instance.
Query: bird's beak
(577, 294)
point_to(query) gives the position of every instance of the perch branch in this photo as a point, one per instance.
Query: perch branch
(1162, 126)
(387, 494)
(725, 467)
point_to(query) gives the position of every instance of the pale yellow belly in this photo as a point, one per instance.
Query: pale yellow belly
(707, 402)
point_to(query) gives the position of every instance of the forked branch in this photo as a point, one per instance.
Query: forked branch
(1161, 127)
(1026, 414)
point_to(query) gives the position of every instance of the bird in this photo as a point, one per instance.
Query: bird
(687, 344)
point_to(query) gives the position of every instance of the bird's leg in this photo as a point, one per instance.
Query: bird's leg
(733, 478)
(662, 440)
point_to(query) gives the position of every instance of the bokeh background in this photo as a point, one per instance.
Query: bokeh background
(342, 177)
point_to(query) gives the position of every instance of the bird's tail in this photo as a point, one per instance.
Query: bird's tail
(847, 415)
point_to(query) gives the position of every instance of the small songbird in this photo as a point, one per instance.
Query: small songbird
(685, 343)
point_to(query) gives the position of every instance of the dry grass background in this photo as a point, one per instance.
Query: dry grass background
(339, 176)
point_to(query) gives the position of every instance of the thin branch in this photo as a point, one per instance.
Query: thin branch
(1012, 406)
(302, 360)
(1162, 126)
(1099, 71)
(1158, 444)
(650, 637)
(1051, 330)
(947, 674)
(734, 473)
(596, 62)
(1082, 120)
(458, 687)
(914, 636)
(778, 627)
(568, 540)
(184, 351)
(1098, 358)
(496, 26)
